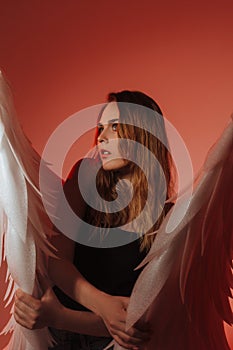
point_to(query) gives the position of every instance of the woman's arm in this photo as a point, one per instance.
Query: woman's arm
(47, 311)
(65, 275)
(112, 309)
(35, 313)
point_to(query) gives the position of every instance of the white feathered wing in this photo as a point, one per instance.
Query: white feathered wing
(183, 291)
(23, 222)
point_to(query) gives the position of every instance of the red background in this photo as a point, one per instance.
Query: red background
(61, 56)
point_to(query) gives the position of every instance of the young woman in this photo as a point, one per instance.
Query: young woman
(98, 272)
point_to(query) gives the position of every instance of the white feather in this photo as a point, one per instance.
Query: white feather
(24, 223)
(183, 291)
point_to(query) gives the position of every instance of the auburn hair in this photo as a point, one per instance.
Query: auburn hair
(139, 114)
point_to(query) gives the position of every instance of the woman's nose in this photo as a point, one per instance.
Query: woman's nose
(103, 137)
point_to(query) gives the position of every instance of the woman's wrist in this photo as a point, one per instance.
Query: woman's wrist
(89, 296)
(82, 322)
(60, 318)
(98, 301)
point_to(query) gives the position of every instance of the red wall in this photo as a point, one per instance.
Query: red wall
(61, 56)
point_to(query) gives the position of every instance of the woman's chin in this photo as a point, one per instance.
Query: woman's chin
(113, 164)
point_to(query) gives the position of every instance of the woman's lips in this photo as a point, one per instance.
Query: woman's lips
(104, 153)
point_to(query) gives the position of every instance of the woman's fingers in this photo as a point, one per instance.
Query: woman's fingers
(114, 312)
(26, 300)
(136, 333)
(35, 313)
(133, 333)
(130, 339)
(120, 341)
(27, 310)
(26, 319)
(129, 343)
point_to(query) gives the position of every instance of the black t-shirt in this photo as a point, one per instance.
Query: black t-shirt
(108, 269)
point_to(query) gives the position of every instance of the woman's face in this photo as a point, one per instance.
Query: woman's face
(108, 139)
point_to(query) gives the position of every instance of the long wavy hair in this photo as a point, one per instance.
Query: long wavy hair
(139, 113)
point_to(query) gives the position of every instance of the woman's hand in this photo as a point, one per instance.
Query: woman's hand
(35, 313)
(113, 309)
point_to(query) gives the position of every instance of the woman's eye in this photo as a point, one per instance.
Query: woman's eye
(100, 129)
(114, 126)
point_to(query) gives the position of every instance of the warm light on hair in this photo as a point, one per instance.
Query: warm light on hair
(151, 180)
